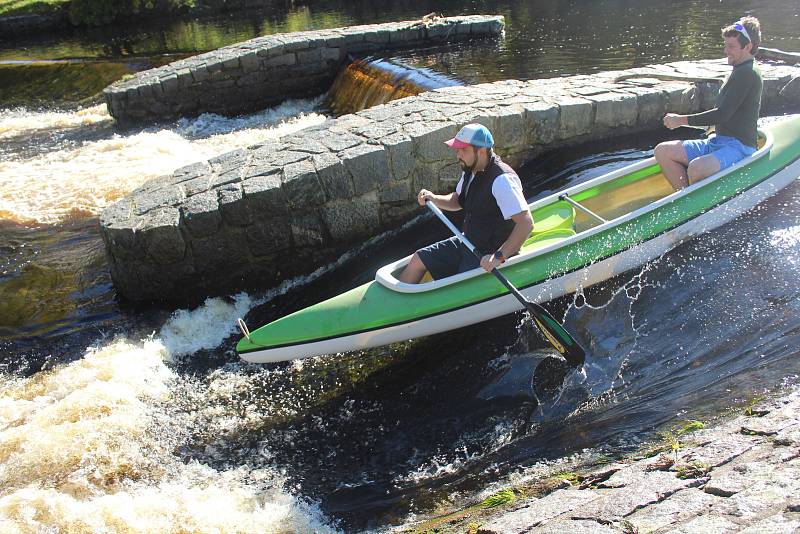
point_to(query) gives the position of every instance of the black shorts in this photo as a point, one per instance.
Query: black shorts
(447, 258)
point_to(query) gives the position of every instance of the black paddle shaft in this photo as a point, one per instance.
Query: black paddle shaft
(551, 329)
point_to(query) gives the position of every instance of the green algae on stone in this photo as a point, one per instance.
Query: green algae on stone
(500, 498)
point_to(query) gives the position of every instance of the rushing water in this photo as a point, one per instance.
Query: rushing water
(115, 418)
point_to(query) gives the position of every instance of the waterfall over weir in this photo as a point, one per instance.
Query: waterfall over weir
(369, 82)
(267, 70)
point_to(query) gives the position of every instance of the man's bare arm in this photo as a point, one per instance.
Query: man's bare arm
(523, 224)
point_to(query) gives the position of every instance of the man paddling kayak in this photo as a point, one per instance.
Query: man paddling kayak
(497, 219)
(734, 117)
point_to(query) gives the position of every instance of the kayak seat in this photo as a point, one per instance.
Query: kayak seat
(544, 239)
(556, 216)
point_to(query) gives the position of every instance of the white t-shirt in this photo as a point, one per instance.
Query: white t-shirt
(507, 191)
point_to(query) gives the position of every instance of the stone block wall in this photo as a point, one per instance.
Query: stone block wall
(266, 70)
(248, 218)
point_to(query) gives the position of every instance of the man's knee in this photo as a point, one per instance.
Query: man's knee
(416, 263)
(660, 152)
(696, 172)
(413, 271)
(670, 151)
(702, 168)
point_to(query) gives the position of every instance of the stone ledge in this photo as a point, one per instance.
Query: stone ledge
(267, 70)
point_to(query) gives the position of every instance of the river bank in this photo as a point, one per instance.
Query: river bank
(24, 18)
(739, 474)
(16, 25)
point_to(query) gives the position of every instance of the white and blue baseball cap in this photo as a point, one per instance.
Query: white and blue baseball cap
(476, 135)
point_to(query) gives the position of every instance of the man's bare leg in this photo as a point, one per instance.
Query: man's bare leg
(671, 156)
(414, 271)
(702, 167)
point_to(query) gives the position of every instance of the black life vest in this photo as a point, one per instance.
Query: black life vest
(484, 224)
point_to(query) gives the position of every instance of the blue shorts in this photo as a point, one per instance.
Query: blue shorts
(447, 257)
(727, 150)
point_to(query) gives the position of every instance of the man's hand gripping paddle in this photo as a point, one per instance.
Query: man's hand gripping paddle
(551, 329)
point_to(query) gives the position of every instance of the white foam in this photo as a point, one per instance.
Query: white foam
(211, 124)
(18, 121)
(79, 181)
(205, 327)
(90, 447)
(785, 238)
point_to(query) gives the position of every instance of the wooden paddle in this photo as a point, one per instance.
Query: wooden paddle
(558, 337)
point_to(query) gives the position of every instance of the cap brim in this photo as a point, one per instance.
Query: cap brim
(455, 143)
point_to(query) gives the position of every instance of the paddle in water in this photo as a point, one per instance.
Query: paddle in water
(551, 329)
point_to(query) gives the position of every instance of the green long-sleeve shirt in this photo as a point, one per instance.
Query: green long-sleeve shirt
(738, 105)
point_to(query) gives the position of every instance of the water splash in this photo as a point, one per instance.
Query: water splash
(605, 370)
(250, 128)
(786, 239)
(606, 322)
(206, 327)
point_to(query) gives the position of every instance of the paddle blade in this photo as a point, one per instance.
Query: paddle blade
(558, 337)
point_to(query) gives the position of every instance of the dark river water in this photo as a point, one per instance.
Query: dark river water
(122, 418)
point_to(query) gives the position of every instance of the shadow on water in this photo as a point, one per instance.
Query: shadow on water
(43, 285)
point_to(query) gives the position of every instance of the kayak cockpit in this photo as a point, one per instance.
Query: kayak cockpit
(553, 223)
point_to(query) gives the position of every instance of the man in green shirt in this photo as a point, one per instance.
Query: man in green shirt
(734, 117)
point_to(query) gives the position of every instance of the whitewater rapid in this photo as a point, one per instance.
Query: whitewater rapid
(93, 446)
(88, 164)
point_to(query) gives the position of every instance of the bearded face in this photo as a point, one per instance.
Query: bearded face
(467, 158)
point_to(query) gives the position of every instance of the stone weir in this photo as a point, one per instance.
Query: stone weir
(248, 218)
(261, 72)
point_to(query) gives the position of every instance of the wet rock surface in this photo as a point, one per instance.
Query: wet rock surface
(729, 478)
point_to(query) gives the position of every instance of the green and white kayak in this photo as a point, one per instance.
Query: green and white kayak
(582, 235)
